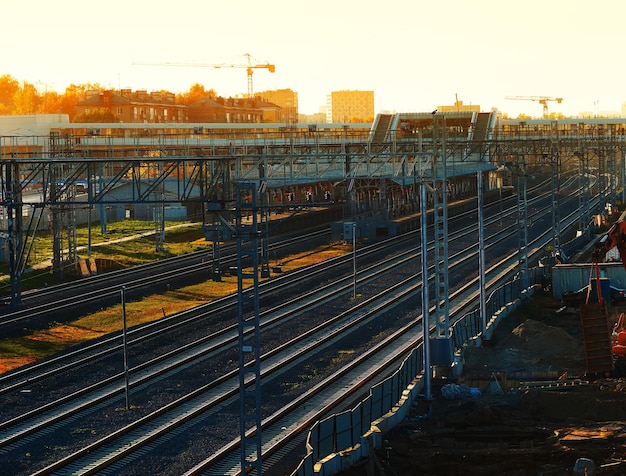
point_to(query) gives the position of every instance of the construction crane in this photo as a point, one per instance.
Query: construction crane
(543, 100)
(249, 68)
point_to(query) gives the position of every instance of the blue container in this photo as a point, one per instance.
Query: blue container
(605, 288)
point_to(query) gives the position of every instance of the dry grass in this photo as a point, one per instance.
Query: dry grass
(40, 344)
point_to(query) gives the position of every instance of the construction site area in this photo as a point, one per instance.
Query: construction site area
(543, 396)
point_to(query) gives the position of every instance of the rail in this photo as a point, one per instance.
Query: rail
(342, 439)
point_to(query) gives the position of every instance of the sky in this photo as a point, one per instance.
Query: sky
(414, 54)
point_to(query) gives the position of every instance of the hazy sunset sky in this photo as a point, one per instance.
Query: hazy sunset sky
(413, 54)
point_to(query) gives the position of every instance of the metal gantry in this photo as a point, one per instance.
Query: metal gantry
(556, 187)
(584, 214)
(150, 165)
(13, 208)
(482, 278)
(247, 231)
(522, 222)
(441, 338)
(424, 293)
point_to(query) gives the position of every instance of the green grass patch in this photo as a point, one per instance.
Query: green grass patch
(55, 448)
(311, 373)
(83, 431)
(180, 237)
(58, 337)
(340, 358)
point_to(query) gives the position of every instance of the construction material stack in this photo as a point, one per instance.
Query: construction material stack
(594, 315)
(596, 338)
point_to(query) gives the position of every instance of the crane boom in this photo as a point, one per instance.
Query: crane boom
(248, 66)
(543, 100)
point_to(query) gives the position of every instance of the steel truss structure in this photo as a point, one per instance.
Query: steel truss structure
(230, 177)
(80, 170)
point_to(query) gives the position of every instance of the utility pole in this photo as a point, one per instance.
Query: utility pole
(441, 340)
(522, 229)
(425, 298)
(481, 253)
(556, 186)
(249, 328)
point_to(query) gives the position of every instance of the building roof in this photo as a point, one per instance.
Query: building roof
(126, 96)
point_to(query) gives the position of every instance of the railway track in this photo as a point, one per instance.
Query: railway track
(8, 444)
(334, 390)
(91, 353)
(101, 290)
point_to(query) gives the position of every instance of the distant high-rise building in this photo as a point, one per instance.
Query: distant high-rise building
(350, 106)
(287, 100)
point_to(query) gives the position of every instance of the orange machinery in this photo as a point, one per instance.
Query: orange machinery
(615, 237)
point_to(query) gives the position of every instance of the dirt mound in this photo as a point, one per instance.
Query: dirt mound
(548, 341)
(530, 346)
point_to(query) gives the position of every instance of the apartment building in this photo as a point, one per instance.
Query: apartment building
(233, 110)
(158, 107)
(350, 106)
(134, 106)
(286, 100)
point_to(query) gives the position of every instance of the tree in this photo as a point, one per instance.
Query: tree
(73, 94)
(196, 93)
(26, 100)
(8, 87)
(50, 103)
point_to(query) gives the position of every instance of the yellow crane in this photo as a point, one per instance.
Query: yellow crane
(543, 100)
(249, 68)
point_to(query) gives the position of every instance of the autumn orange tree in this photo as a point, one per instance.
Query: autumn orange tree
(9, 86)
(24, 98)
(196, 93)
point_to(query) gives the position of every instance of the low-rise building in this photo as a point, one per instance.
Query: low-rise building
(232, 110)
(133, 106)
(128, 106)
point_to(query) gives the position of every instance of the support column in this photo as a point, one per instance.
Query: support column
(14, 229)
(522, 230)
(556, 214)
(442, 349)
(249, 329)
